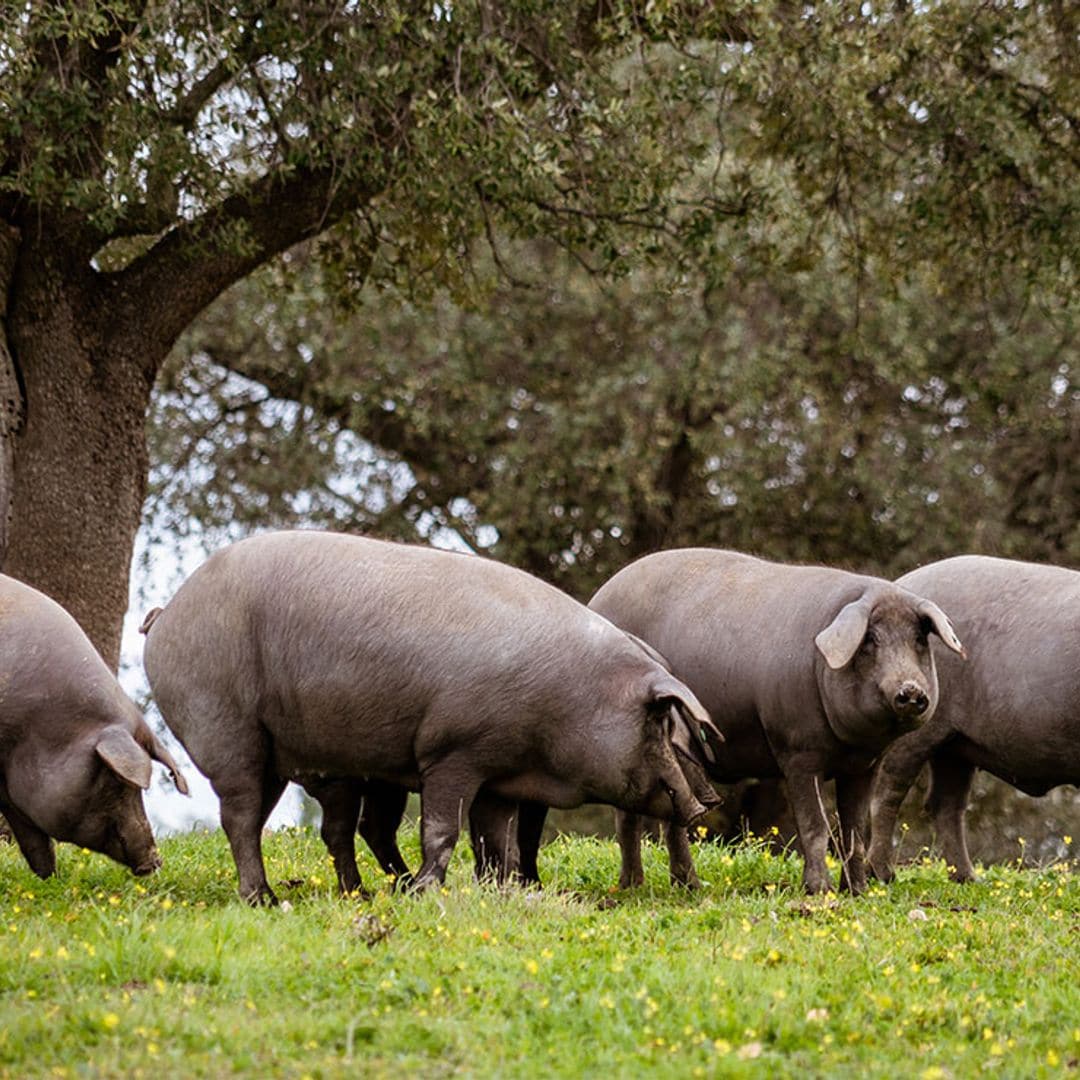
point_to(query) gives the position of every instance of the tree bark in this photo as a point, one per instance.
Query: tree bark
(81, 461)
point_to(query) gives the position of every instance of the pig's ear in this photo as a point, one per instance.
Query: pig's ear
(942, 627)
(840, 640)
(693, 731)
(125, 757)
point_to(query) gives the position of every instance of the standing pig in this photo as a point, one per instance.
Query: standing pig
(75, 752)
(304, 656)
(810, 671)
(1013, 710)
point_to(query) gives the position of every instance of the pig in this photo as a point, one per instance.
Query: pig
(1013, 710)
(75, 752)
(809, 671)
(320, 657)
(505, 834)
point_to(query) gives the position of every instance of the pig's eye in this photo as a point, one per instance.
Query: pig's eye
(870, 641)
(926, 627)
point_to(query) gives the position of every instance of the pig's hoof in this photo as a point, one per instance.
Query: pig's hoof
(883, 871)
(962, 876)
(43, 869)
(261, 897)
(423, 882)
(691, 882)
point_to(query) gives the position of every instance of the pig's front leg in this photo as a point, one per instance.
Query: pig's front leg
(340, 801)
(680, 861)
(493, 827)
(629, 829)
(380, 817)
(805, 793)
(36, 846)
(853, 808)
(895, 774)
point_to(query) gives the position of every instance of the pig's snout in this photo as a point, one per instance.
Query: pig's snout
(911, 700)
(148, 865)
(687, 807)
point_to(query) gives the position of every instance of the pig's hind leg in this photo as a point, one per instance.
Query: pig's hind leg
(376, 809)
(248, 793)
(946, 801)
(340, 801)
(448, 787)
(380, 818)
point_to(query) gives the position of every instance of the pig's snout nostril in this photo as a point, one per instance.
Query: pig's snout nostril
(910, 698)
(148, 866)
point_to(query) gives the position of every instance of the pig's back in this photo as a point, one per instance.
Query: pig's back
(326, 639)
(48, 666)
(725, 619)
(739, 631)
(1017, 696)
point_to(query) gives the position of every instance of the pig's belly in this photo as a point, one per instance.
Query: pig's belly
(541, 787)
(745, 752)
(346, 743)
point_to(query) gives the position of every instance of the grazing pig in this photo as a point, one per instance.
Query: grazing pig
(317, 656)
(75, 752)
(810, 672)
(505, 834)
(1013, 710)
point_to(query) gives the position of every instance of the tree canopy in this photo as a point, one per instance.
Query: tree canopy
(848, 333)
(858, 194)
(153, 154)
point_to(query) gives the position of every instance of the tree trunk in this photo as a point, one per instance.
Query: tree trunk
(11, 396)
(81, 460)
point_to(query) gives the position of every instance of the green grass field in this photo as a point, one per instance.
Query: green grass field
(102, 974)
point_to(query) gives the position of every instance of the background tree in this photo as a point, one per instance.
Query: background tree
(153, 154)
(873, 363)
(572, 426)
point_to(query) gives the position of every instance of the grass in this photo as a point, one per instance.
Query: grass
(105, 975)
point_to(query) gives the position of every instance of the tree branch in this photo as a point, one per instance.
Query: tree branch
(191, 265)
(187, 109)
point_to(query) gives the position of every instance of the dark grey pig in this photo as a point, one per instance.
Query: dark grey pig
(304, 655)
(505, 834)
(811, 672)
(75, 752)
(1013, 709)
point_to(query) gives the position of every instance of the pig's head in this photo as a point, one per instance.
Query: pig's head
(878, 678)
(89, 792)
(655, 747)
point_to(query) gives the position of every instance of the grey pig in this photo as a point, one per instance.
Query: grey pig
(505, 834)
(75, 752)
(309, 656)
(1013, 710)
(810, 671)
